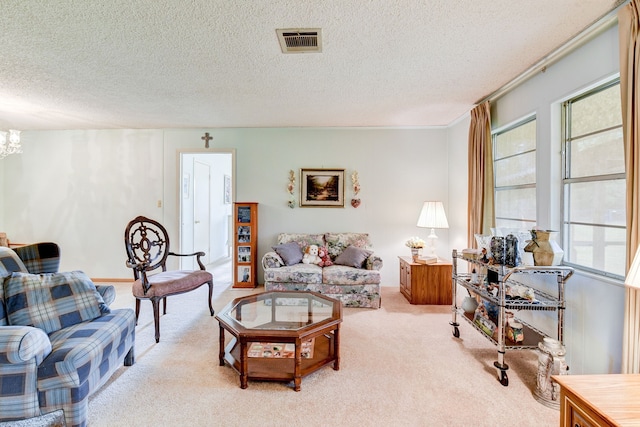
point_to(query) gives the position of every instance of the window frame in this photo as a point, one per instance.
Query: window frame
(566, 140)
(494, 135)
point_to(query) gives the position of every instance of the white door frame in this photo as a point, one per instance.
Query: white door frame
(179, 178)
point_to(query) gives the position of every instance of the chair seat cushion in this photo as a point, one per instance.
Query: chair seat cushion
(171, 282)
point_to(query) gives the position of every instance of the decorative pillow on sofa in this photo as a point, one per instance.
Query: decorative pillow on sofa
(291, 253)
(353, 256)
(338, 242)
(52, 301)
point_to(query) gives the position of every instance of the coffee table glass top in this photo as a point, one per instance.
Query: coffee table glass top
(281, 310)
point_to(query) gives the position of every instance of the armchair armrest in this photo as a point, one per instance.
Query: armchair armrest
(374, 262)
(20, 344)
(198, 255)
(272, 260)
(22, 350)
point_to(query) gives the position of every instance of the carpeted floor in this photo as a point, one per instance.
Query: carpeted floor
(400, 366)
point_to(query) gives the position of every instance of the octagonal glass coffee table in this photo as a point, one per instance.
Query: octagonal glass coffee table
(280, 335)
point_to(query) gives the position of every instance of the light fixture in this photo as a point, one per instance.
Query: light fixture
(633, 276)
(432, 216)
(10, 145)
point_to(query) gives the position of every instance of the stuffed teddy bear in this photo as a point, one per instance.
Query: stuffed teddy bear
(325, 259)
(311, 255)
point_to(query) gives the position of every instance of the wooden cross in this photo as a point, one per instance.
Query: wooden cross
(206, 138)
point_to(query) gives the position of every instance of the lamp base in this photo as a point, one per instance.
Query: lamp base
(433, 240)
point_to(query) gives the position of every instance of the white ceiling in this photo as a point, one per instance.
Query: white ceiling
(99, 64)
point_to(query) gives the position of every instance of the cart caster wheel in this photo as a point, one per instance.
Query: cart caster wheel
(456, 332)
(504, 379)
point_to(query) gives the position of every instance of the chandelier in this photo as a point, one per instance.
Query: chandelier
(9, 143)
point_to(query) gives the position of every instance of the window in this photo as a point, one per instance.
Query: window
(514, 154)
(594, 236)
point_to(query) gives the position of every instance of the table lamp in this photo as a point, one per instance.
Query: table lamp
(432, 216)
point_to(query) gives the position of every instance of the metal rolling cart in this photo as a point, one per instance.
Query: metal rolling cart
(505, 276)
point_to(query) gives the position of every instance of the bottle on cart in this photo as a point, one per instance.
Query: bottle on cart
(474, 277)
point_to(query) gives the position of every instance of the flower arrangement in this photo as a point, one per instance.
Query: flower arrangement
(415, 243)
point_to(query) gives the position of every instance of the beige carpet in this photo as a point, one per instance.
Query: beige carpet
(400, 366)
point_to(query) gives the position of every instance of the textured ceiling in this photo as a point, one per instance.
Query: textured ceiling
(89, 64)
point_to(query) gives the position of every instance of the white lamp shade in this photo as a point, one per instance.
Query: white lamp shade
(432, 216)
(633, 276)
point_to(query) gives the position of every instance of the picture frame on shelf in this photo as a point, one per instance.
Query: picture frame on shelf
(244, 254)
(244, 234)
(244, 214)
(322, 188)
(244, 273)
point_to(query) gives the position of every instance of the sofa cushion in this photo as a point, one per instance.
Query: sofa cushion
(290, 252)
(353, 257)
(338, 242)
(52, 301)
(299, 273)
(303, 240)
(343, 275)
(10, 262)
(79, 350)
(3, 310)
(40, 257)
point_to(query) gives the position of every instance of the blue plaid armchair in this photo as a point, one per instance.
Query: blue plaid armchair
(59, 340)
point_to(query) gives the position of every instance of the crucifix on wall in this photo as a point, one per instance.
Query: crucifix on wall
(206, 138)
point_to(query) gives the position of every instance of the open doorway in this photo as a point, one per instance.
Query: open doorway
(206, 197)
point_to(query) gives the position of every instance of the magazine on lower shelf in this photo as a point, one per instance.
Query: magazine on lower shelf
(280, 350)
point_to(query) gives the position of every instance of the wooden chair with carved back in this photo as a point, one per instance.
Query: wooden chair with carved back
(147, 244)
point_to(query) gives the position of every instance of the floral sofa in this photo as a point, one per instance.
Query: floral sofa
(59, 340)
(354, 277)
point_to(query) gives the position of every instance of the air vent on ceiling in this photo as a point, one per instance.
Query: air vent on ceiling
(300, 40)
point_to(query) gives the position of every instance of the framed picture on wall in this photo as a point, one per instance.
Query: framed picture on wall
(186, 183)
(322, 188)
(227, 190)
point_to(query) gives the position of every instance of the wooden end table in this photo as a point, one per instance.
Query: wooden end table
(425, 283)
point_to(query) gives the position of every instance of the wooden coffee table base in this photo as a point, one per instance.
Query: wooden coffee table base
(326, 350)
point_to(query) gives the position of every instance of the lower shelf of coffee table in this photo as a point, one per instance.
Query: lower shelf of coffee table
(281, 369)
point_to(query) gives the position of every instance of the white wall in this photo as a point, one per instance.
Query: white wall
(80, 188)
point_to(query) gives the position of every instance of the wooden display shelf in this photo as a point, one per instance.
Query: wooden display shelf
(245, 245)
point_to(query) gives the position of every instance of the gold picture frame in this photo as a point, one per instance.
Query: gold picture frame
(322, 188)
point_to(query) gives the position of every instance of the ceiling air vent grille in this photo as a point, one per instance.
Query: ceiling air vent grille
(300, 40)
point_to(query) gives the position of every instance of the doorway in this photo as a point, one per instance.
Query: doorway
(206, 197)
